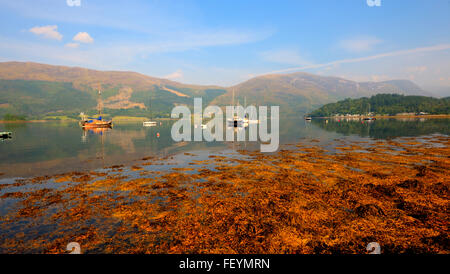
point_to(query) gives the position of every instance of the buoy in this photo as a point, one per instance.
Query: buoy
(157, 134)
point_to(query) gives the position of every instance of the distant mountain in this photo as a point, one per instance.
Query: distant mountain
(32, 88)
(40, 90)
(302, 92)
(385, 104)
(405, 87)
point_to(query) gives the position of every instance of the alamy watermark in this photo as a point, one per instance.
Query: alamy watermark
(374, 3)
(74, 248)
(73, 3)
(238, 120)
(373, 248)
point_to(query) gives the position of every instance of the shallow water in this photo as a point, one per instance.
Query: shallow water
(54, 147)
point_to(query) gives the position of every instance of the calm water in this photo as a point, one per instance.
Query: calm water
(55, 147)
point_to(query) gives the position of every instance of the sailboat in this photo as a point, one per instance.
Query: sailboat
(369, 118)
(89, 122)
(149, 123)
(236, 121)
(6, 135)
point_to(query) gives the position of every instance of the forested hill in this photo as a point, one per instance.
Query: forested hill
(385, 104)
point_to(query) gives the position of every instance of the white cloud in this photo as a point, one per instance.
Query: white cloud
(72, 45)
(175, 75)
(369, 58)
(83, 37)
(284, 56)
(359, 44)
(50, 32)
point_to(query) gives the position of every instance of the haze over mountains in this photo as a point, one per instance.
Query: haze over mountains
(302, 92)
(37, 89)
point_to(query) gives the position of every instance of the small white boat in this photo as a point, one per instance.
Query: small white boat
(5, 135)
(247, 121)
(149, 123)
(236, 121)
(308, 118)
(369, 118)
(203, 126)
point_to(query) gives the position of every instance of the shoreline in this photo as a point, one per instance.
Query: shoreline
(431, 116)
(114, 119)
(140, 119)
(23, 122)
(336, 203)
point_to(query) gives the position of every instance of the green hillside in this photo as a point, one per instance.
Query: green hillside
(385, 104)
(35, 98)
(42, 99)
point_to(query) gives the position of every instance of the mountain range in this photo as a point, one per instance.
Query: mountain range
(37, 90)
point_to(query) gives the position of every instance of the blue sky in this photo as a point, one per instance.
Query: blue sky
(227, 42)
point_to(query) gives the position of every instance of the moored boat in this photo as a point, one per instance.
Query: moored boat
(369, 118)
(5, 135)
(149, 123)
(95, 123)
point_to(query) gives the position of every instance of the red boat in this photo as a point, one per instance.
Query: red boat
(95, 123)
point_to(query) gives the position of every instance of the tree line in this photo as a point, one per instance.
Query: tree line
(385, 104)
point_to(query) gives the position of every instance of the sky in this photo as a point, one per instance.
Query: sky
(225, 42)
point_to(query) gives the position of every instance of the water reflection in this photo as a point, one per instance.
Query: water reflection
(55, 147)
(385, 128)
(97, 131)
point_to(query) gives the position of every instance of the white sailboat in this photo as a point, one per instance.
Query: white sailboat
(236, 121)
(369, 118)
(150, 123)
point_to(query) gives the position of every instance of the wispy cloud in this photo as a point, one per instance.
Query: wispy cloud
(359, 44)
(50, 32)
(72, 45)
(439, 47)
(117, 55)
(122, 15)
(416, 69)
(284, 56)
(195, 40)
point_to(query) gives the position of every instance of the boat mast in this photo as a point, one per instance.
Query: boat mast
(232, 100)
(150, 106)
(100, 102)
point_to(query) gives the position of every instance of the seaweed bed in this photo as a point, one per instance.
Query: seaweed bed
(303, 199)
